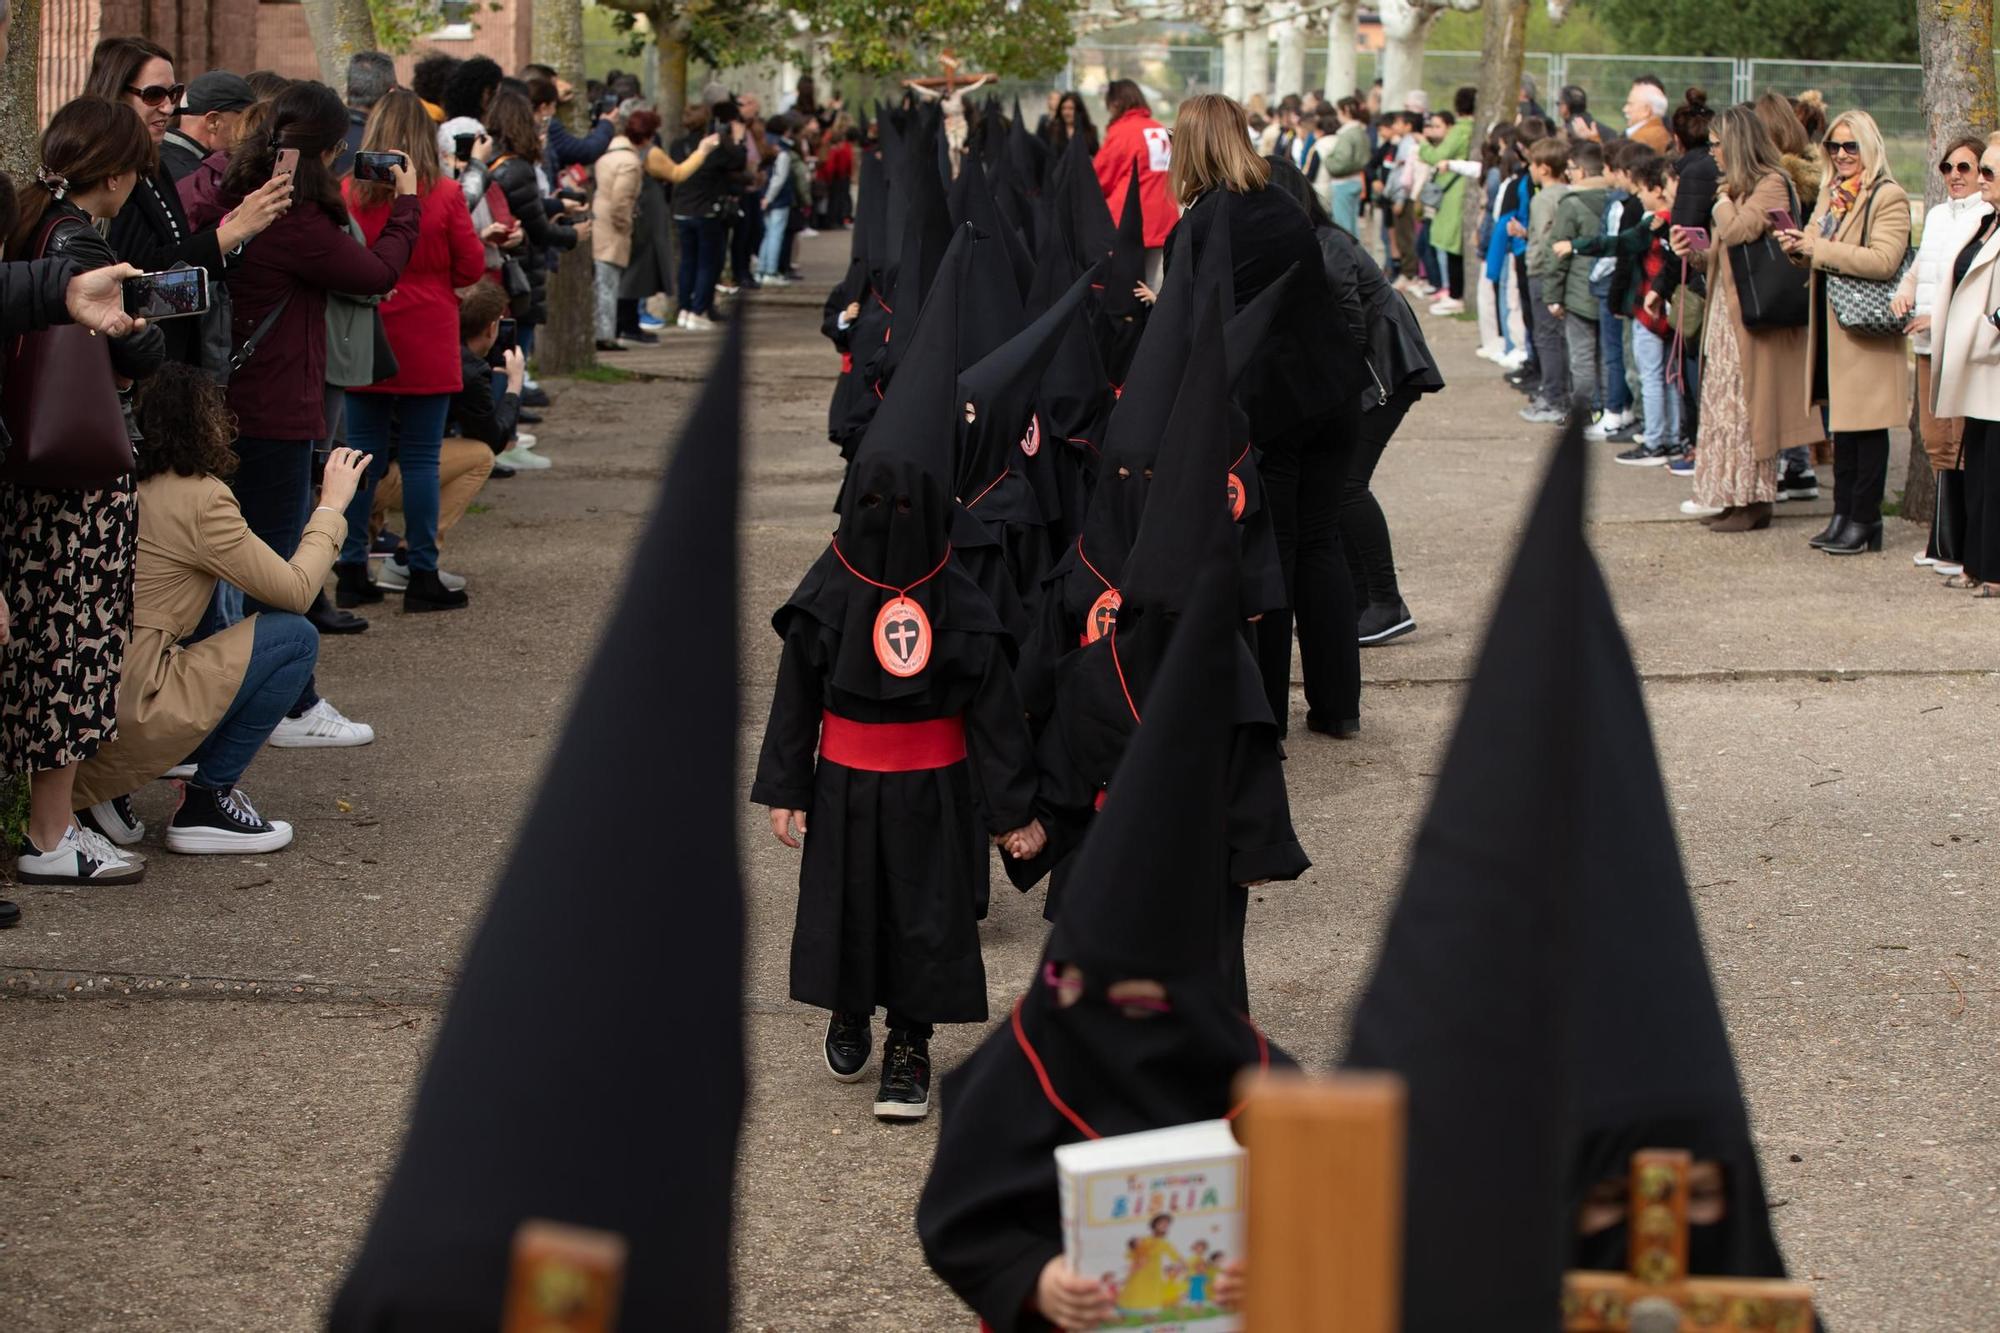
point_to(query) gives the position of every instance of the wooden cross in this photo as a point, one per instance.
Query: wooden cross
(1657, 1219)
(951, 80)
(564, 1279)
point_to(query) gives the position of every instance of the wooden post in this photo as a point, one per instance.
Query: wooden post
(1325, 1239)
(564, 1279)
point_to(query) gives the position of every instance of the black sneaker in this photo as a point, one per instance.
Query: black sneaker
(10, 914)
(1644, 455)
(1802, 485)
(211, 822)
(905, 1091)
(527, 418)
(535, 397)
(848, 1042)
(1383, 621)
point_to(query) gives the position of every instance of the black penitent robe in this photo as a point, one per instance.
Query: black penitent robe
(990, 1214)
(855, 397)
(895, 863)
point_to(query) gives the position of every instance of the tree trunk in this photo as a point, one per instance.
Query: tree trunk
(1956, 41)
(670, 48)
(1343, 67)
(20, 118)
(1291, 73)
(1233, 43)
(1406, 26)
(1501, 58)
(566, 344)
(339, 29)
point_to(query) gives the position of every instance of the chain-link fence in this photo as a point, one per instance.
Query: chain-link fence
(1892, 94)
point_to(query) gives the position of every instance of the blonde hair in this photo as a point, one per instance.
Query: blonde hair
(399, 124)
(1748, 155)
(1212, 149)
(1874, 154)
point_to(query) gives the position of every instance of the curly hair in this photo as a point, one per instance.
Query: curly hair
(186, 423)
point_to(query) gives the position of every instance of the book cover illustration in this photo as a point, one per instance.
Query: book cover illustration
(1154, 1217)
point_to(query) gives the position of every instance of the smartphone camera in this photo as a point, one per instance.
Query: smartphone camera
(380, 167)
(168, 295)
(506, 342)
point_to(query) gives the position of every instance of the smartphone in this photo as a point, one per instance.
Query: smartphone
(377, 167)
(167, 295)
(462, 146)
(505, 343)
(1781, 219)
(1696, 237)
(287, 164)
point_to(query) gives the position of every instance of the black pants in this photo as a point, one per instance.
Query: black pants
(1304, 469)
(745, 235)
(1454, 274)
(1364, 532)
(1860, 472)
(1532, 367)
(1981, 556)
(1947, 542)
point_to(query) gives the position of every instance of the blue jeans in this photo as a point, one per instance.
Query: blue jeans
(1662, 402)
(701, 262)
(415, 422)
(273, 486)
(771, 253)
(1347, 206)
(281, 662)
(1611, 358)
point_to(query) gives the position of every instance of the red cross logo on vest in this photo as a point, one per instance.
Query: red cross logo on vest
(1031, 443)
(902, 637)
(1235, 498)
(1103, 617)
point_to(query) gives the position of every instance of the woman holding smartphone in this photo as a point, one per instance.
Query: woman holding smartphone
(1751, 407)
(278, 297)
(420, 319)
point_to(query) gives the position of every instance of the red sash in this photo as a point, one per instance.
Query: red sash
(891, 747)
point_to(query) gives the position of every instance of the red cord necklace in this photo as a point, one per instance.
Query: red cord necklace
(1102, 617)
(902, 634)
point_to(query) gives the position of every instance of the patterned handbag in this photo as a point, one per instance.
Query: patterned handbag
(1861, 305)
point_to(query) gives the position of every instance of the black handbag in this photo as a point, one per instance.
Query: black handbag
(61, 406)
(382, 359)
(1774, 293)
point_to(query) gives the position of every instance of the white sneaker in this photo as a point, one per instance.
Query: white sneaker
(521, 461)
(681, 320)
(1693, 510)
(1923, 558)
(1947, 570)
(115, 820)
(1514, 360)
(211, 823)
(1489, 351)
(395, 575)
(321, 726)
(525, 439)
(179, 772)
(80, 857)
(1448, 306)
(701, 324)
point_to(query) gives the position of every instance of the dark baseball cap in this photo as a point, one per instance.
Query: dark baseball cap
(218, 90)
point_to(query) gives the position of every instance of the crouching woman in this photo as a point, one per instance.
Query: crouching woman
(215, 702)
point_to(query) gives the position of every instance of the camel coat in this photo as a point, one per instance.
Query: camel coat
(1867, 382)
(1773, 359)
(172, 694)
(1965, 347)
(616, 205)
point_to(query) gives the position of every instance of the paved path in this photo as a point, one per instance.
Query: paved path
(207, 1073)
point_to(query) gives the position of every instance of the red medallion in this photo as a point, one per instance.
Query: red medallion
(1103, 617)
(1031, 443)
(1235, 497)
(902, 637)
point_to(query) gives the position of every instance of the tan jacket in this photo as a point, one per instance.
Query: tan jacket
(1654, 134)
(1867, 379)
(616, 204)
(172, 695)
(1965, 347)
(1773, 359)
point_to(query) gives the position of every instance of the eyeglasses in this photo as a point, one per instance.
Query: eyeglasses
(153, 94)
(1986, 173)
(1839, 146)
(1956, 168)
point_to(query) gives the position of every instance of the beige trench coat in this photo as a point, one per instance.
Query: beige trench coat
(1965, 347)
(1867, 378)
(616, 203)
(173, 695)
(1773, 359)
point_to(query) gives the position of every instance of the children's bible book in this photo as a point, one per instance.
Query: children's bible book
(1154, 1217)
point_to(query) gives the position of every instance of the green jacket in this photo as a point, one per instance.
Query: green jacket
(1543, 206)
(1448, 227)
(1579, 215)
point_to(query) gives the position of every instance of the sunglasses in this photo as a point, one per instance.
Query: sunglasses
(153, 94)
(1956, 168)
(1840, 146)
(1986, 173)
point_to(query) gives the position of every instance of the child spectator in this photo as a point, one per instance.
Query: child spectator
(776, 202)
(1567, 288)
(1642, 245)
(1611, 281)
(1547, 161)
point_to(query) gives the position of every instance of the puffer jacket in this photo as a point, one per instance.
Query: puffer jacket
(1947, 227)
(516, 178)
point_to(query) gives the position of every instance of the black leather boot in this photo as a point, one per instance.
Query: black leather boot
(1948, 524)
(329, 619)
(353, 587)
(428, 593)
(1854, 538)
(1829, 532)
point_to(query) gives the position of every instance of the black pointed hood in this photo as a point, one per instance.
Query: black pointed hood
(537, 1100)
(1126, 267)
(916, 201)
(1505, 992)
(871, 219)
(1001, 432)
(992, 136)
(973, 200)
(1075, 394)
(1081, 212)
(1027, 156)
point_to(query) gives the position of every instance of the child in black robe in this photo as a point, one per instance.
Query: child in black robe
(1128, 1025)
(855, 315)
(896, 734)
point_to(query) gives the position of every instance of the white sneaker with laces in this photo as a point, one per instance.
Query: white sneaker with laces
(115, 820)
(701, 324)
(1693, 510)
(320, 727)
(521, 460)
(398, 574)
(81, 857)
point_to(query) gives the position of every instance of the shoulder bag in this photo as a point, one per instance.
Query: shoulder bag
(1773, 292)
(1861, 305)
(60, 405)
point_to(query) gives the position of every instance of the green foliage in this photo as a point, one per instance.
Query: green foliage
(13, 812)
(1582, 33)
(400, 24)
(1023, 40)
(1775, 29)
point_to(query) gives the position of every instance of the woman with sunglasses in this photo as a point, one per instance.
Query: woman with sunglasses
(1965, 344)
(1947, 227)
(1861, 229)
(153, 233)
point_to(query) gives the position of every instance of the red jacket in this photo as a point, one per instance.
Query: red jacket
(1137, 137)
(421, 315)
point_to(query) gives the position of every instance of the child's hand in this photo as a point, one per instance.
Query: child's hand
(1069, 1301)
(1514, 228)
(852, 313)
(1229, 1285)
(1652, 303)
(1918, 324)
(1144, 293)
(1027, 841)
(783, 822)
(1556, 310)
(1563, 249)
(341, 477)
